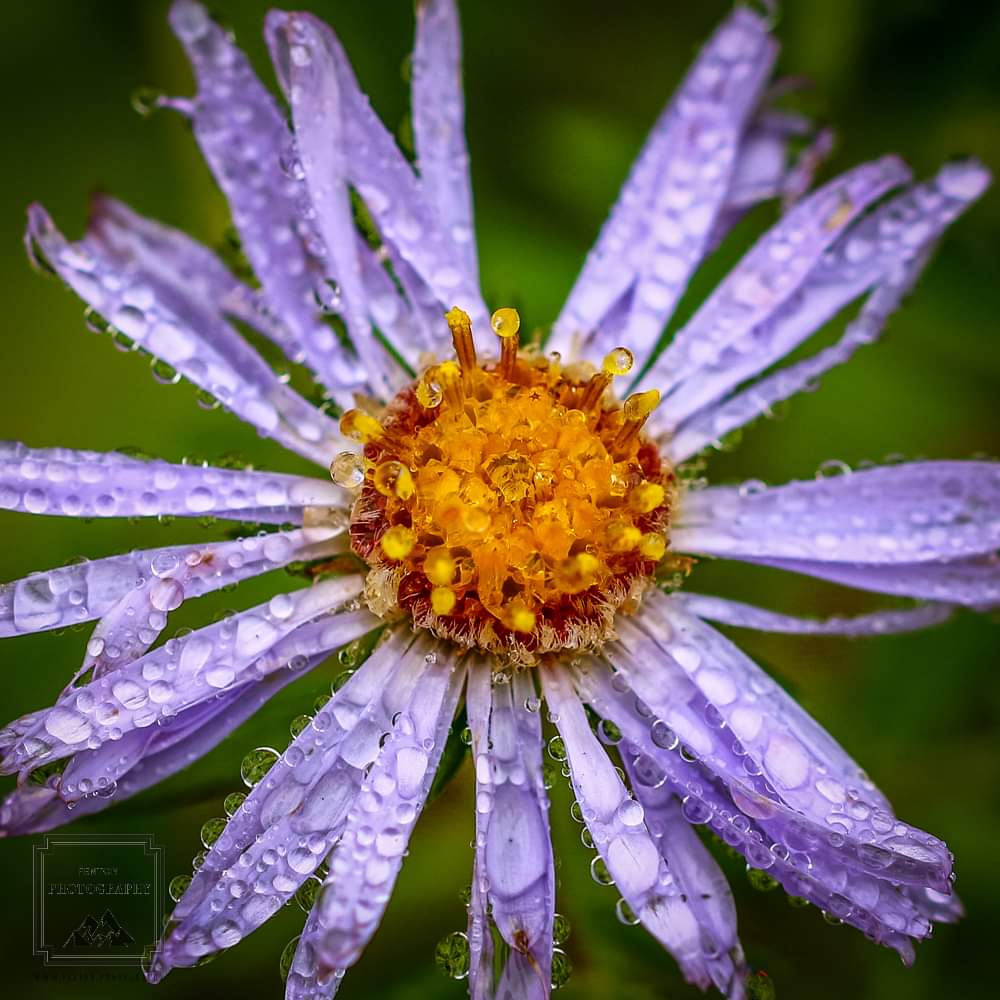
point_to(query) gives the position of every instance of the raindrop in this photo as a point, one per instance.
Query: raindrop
(452, 955)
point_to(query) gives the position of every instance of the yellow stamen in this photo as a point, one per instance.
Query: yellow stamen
(398, 541)
(359, 426)
(461, 334)
(646, 497)
(506, 322)
(439, 566)
(392, 478)
(443, 600)
(616, 362)
(636, 411)
(518, 616)
(652, 547)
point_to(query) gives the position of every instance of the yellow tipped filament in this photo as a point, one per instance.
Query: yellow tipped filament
(393, 479)
(359, 426)
(652, 547)
(616, 362)
(397, 543)
(636, 411)
(449, 377)
(506, 323)
(461, 334)
(443, 600)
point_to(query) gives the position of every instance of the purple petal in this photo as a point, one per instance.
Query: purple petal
(514, 878)
(171, 324)
(917, 512)
(887, 249)
(974, 582)
(616, 823)
(736, 613)
(185, 739)
(183, 262)
(293, 816)
(315, 96)
(801, 763)
(700, 879)
(105, 484)
(367, 860)
(183, 672)
(439, 124)
(90, 589)
(136, 621)
(381, 175)
(659, 228)
(772, 271)
(808, 861)
(307, 979)
(243, 136)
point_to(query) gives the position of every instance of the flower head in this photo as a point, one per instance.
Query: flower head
(523, 513)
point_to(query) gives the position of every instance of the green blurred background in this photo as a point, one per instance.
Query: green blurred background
(559, 98)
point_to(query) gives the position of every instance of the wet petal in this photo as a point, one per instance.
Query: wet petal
(974, 581)
(810, 862)
(243, 136)
(69, 483)
(719, 609)
(701, 881)
(770, 273)
(660, 226)
(383, 178)
(185, 739)
(136, 621)
(514, 879)
(802, 764)
(887, 250)
(174, 326)
(439, 124)
(183, 672)
(616, 823)
(367, 860)
(917, 512)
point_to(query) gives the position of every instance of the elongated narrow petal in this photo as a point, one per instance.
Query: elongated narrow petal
(514, 878)
(915, 513)
(182, 673)
(90, 589)
(701, 881)
(307, 978)
(886, 250)
(314, 92)
(184, 263)
(772, 271)
(175, 327)
(973, 581)
(295, 814)
(252, 155)
(802, 763)
(719, 609)
(106, 484)
(136, 621)
(439, 124)
(367, 860)
(659, 228)
(616, 823)
(186, 738)
(383, 178)
(804, 858)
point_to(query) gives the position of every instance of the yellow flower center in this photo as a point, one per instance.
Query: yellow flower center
(513, 506)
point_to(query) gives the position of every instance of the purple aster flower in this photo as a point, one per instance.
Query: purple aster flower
(524, 532)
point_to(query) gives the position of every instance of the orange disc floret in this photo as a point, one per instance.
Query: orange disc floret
(513, 506)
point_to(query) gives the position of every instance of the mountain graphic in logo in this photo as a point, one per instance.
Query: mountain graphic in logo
(96, 934)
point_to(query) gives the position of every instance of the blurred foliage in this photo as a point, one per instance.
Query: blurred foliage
(559, 98)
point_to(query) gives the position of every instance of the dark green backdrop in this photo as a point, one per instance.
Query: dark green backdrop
(559, 98)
